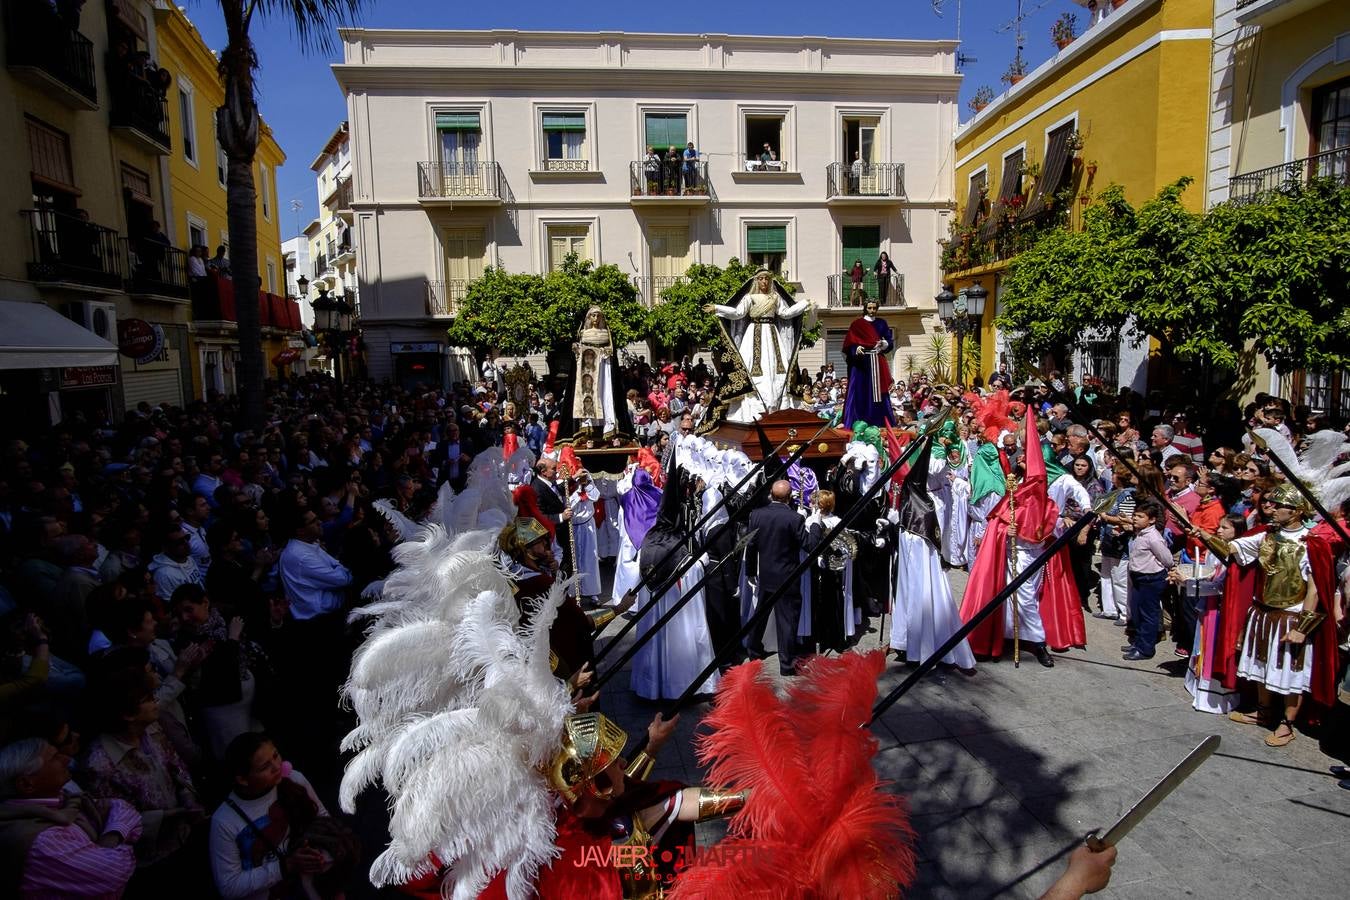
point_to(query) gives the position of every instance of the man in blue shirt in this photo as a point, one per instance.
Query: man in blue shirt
(690, 168)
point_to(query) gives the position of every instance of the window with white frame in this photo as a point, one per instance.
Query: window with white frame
(187, 121)
(563, 140)
(271, 276)
(764, 142)
(265, 191)
(222, 161)
(198, 234)
(766, 245)
(568, 238)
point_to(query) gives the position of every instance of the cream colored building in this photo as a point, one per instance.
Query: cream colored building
(513, 148)
(332, 255)
(1280, 112)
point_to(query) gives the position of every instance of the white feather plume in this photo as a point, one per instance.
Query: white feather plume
(456, 705)
(1316, 464)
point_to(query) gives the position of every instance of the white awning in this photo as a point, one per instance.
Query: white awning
(35, 336)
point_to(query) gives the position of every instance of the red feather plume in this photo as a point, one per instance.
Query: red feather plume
(819, 823)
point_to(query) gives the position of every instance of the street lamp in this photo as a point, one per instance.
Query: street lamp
(333, 317)
(961, 314)
(302, 284)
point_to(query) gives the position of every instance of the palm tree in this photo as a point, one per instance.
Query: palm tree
(237, 125)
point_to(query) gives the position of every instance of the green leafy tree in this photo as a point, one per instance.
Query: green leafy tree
(516, 314)
(237, 126)
(1275, 272)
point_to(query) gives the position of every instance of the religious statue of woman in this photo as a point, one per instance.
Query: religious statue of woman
(598, 410)
(764, 325)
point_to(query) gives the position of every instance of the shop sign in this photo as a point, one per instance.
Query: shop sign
(140, 340)
(423, 347)
(88, 376)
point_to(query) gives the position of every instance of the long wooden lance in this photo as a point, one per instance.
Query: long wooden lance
(731, 556)
(1299, 485)
(995, 602)
(696, 551)
(766, 605)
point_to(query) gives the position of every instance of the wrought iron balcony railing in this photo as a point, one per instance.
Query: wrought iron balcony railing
(444, 297)
(1252, 186)
(669, 178)
(459, 181)
(873, 180)
(67, 247)
(651, 287)
(140, 102)
(565, 165)
(155, 268)
(38, 38)
(840, 293)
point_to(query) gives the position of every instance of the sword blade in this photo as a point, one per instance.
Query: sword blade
(1156, 794)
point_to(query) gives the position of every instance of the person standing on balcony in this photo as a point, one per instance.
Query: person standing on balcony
(672, 172)
(690, 168)
(219, 263)
(855, 173)
(651, 167)
(885, 271)
(857, 295)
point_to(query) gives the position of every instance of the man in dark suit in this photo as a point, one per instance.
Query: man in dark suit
(773, 552)
(553, 504)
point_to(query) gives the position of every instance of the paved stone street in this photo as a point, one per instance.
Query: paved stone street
(1005, 772)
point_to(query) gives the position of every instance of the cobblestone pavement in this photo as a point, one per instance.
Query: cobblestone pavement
(1005, 772)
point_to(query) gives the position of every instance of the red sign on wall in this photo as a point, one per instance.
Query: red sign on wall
(88, 376)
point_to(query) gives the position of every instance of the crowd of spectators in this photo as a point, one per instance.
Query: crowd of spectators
(174, 590)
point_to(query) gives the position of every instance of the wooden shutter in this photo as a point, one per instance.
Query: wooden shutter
(565, 239)
(766, 239)
(465, 249)
(976, 199)
(49, 150)
(666, 130)
(670, 250)
(861, 242)
(1054, 171)
(137, 184)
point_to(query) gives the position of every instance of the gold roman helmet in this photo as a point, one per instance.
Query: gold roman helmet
(1287, 495)
(529, 530)
(591, 743)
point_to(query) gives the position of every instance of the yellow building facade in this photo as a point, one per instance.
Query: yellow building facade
(197, 213)
(1125, 103)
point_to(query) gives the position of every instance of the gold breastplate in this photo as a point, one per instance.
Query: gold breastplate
(1281, 558)
(637, 871)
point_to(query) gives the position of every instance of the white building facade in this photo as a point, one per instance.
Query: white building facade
(508, 148)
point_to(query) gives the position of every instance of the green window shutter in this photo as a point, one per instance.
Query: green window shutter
(564, 121)
(766, 239)
(861, 242)
(458, 121)
(666, 130)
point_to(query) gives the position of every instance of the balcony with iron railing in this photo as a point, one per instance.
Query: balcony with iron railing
(139, 105)
(564, 165)
(445, 297)
(68, 248)
(50, 53)
(650, 288)
(155, 269)
(671, 182)
(1253, 186)
(864, 182)
(339, 199)
(1002, 235)
(840, 292)
(448, 183)
(321, 265)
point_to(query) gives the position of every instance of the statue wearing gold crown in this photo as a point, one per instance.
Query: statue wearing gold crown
(1277, 652)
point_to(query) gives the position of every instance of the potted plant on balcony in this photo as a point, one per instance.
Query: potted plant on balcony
(983, 96)
(1117, 4)
(1017, 70)
(1063, 31)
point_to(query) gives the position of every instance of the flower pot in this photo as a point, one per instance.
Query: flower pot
(1061, 43)
(1092, 170)
(1013, 79)
(1117, 4)
(979, 107)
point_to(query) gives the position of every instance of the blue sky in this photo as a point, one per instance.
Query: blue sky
(301, 101)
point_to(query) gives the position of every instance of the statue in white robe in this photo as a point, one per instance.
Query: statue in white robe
(764, 325)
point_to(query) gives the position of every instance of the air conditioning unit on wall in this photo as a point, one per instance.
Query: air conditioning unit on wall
(100, 317)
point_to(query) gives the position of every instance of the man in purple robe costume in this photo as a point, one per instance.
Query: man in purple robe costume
(868, 340)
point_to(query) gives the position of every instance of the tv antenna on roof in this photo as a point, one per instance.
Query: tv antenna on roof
(1015, 25)
(961, 58)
